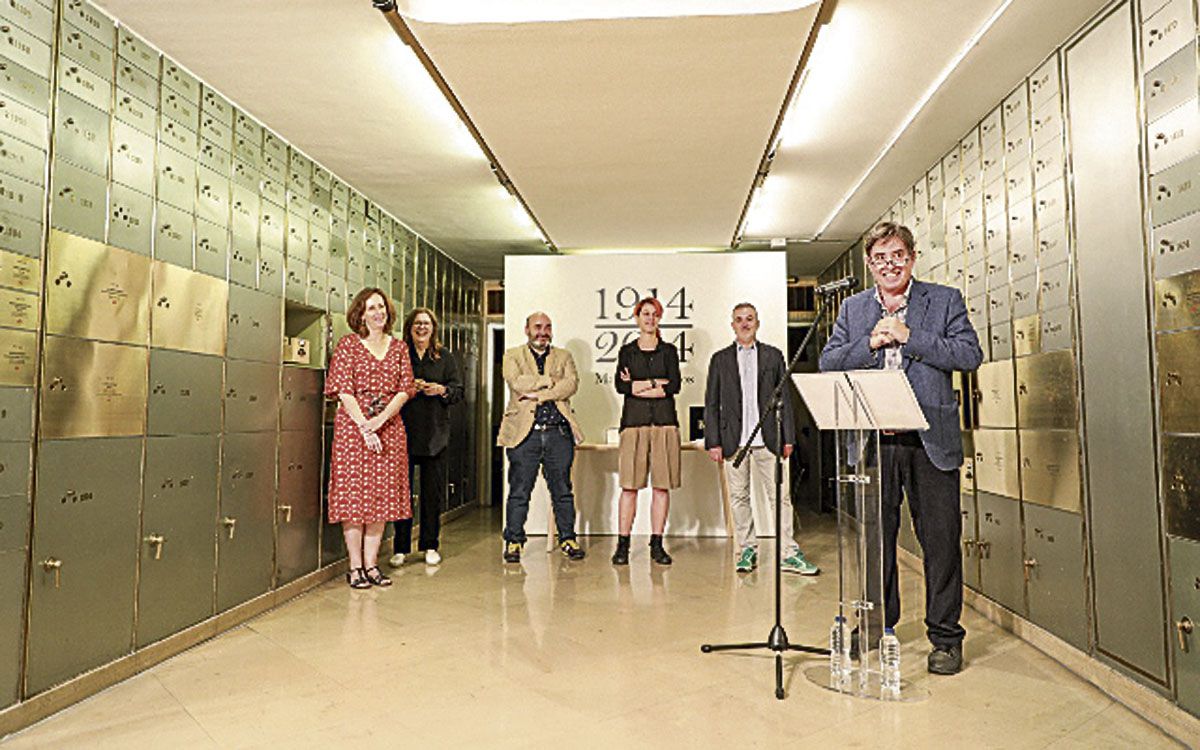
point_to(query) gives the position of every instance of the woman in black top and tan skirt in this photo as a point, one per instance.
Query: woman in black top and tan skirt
(648, 378)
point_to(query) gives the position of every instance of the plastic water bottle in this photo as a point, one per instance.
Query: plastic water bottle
(889, 662)
(839, 649)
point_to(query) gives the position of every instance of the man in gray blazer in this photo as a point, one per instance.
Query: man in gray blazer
(923, 330)
(741, 380)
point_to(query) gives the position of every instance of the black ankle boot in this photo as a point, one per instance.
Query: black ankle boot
(621, 556)
(657, 553)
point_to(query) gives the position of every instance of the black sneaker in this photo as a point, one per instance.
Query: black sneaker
(512, 552)
(946, 659)
(621, 555)
(571, 549)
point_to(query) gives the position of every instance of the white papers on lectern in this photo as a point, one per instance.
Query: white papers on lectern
(885, 400)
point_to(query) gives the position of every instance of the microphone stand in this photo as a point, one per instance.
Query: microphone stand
(777, 640)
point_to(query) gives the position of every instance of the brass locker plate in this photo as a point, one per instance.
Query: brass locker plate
(136, 113)
(245, 207)
(1055, 287)
(1020, 184)
(1025, 296)
(18, 357)
(1056, 330)
(1048, 164)
(90, 19)
(1177, 302)
(1175, 192)
(251, 396)
(96, 292)
(1023, 264)
(18, 309)
(179, 137)
(217, 106)
(19, 159)
(995, 382)
(1047, 126)
(1051, 204)
(216, 131)
(247, 127)
(212, 197)
(177, 107)
(270, 271)
(1171, 83)
(181, 81)
(1050, 469)
(189, 310)
(20, 272)
(1053, 247)
(132, 48)
(302, 399)
(1176, 247)
(133, 158)
(212, 249)
(129, 217)
(176, 179)
(1046, 391)
(173, 235)
(21, 198)
(31, 16)
(996, 462)
(26, 49)
(246, 175)
(270, 230)
(1165, 30)
(1027, 336)
(24, 86)
(1174, 136)
(26, 124)
(1181, 485)
(89, 87)
(243, 260)
(1179, 381)
(92, 389)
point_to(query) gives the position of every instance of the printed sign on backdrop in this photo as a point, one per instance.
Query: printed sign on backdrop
(590, 299)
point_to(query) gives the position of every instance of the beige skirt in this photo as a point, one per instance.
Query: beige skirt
(653, 451)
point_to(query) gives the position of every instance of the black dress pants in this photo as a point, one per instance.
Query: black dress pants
(432, 493)
(933, 502)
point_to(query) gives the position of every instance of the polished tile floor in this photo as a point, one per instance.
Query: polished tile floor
(477, 654)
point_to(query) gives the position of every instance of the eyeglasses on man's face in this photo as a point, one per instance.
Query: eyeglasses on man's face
(894, 258)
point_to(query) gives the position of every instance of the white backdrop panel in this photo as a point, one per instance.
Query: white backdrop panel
(589, 299)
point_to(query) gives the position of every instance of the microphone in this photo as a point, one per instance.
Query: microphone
(836, 286)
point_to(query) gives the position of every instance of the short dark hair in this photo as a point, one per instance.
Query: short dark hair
(886, 230)
(354, 316)
(435, 341)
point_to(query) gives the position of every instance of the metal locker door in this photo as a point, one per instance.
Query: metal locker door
(16, 413)
(996, 462)
(214, 157)
(271, 190)
(87, 86)
(173, 235)
(132, 48)
(1054, 569)
(270, 228)
(246, 526)
(14, 515)
(999, 549)
(181, 81)
(1180, 480)
(178, 553)
(1050, 469)
(129, 221)
(1046, 391)
(243, 261)
(212, 197)
(212, 249)
(255, 326)
(185, 393)
(1185, 616)
(251, 396)
(970, 538)
(179, 139)
(177, 107)
(298, 519)
(136, 113)
(176, 178)
(1025, 296)
(1117, 392)
(1027, 336)
(189, 310)
(96, 292)
(22, 160)
(295, 283)
(302, 400)
(1171, 83)
(92, 389)
(79, 201)
(1176, 247)
(12, 623)
(1179, 400)
(270, 271)
(82, 585)
(1056, 330)
(14, 469)
(24, 86)
(27, 124)
(996, 395)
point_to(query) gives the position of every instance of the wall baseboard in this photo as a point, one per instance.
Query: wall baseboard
(40, 706)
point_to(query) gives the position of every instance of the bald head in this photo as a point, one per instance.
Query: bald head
(537, 329)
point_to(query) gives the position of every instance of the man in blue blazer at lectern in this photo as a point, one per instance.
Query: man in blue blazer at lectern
(921, 329)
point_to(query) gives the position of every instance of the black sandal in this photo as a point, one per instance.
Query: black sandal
(379, 579)
(357, 578)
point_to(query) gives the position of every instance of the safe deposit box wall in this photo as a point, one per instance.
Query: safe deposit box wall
(162, 450)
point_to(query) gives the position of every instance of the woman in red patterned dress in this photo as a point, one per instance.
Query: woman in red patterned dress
(372, 376)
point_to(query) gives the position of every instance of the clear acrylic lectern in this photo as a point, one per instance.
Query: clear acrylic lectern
(858, 405)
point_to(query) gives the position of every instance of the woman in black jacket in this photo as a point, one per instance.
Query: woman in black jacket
(427, 420)
(648, 378)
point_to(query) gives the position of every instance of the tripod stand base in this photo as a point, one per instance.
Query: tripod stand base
(777, 641)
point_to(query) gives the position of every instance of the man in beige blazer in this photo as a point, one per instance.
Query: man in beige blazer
(539, 431)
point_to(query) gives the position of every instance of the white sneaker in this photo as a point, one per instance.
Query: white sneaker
(396, 560)
(432, 557)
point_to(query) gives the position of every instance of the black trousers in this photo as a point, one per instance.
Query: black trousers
(433, 491)
(933, 502)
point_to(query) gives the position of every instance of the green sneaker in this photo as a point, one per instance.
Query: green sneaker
(748, 561)
(797, 564)
(571, 549)
(512, 552)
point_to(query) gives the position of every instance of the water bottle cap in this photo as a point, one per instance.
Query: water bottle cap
(839, 618)
(888, 631)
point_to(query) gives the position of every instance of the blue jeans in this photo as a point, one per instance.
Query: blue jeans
(552, 449)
